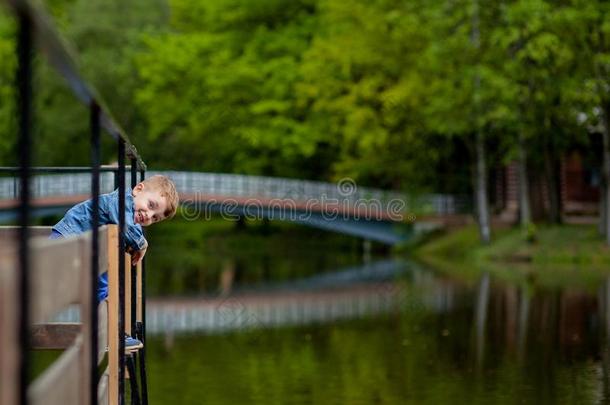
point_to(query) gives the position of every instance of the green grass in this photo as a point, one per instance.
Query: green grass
(40, 360)
(557, 255)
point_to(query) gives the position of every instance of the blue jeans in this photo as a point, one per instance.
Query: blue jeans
(102, 280)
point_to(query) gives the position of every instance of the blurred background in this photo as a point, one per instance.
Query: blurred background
(505, 103)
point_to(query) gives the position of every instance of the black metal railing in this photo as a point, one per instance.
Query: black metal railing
(35, 27)
(24, 105)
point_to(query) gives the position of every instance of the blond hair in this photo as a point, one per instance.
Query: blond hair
(167, 189)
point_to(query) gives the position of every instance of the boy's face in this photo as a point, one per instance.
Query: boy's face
(149, 206)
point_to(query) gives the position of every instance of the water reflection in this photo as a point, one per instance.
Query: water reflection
(524, 310)
(517, 316)
(388, 332)
(481, 318)
(604, 304)
(227, 277)
(349, 293)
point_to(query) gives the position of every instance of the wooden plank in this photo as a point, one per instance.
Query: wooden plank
(60, 384)
(113, 314)
(54, 335)
(139, 316)
(103, 249)
(9, 234)
(102, 389)
(34, 229)
(85, 298)
(55, 275)
(102, 330)
(127, 294)
(8, 330)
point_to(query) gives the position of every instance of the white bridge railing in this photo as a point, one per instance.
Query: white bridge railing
(217, 185)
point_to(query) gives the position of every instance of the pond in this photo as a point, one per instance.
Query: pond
(267, 322)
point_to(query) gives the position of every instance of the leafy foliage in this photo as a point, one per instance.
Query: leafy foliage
(384, 91)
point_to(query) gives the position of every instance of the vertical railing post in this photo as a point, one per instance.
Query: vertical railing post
(24, 92)
(95, 220)
(121, 247)
(116, 178)
(134, 181)
(132, 362)
(142, 325)
(133, 379)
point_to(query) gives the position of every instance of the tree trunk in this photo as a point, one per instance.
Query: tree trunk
(481, 190)
(552, 176)
(603, 209)
(524, 201)
(605, 213)
(481, 169)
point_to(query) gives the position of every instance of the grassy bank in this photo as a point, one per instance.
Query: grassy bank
(551, 255)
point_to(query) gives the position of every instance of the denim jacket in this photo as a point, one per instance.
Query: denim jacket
(78, 218)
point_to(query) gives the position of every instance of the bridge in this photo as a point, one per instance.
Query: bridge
(384, 216)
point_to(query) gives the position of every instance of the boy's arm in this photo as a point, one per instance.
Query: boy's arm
(137, 255)
(134, 236)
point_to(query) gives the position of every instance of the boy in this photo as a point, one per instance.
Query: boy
(150, 201)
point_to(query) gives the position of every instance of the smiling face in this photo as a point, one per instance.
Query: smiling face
(149, 205)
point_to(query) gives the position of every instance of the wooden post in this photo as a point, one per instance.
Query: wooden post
(102, 319)
(8, 329)
(139, 292)
(113, 315)
(128, 294)
(85, 313)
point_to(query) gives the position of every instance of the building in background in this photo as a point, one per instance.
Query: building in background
(580, 184)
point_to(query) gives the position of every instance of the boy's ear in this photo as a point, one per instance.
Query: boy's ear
(139, 187)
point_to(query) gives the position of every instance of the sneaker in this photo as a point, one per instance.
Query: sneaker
(132, 344)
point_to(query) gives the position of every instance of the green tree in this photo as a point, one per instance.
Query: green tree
(468, 96)
(530, 50)
(363, 83)
(7, 88)
(104, 54)
(592, 48)
(218, 86)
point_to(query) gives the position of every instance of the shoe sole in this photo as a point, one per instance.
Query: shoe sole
(134, 348)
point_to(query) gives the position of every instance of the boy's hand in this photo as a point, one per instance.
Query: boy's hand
(137, 255)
